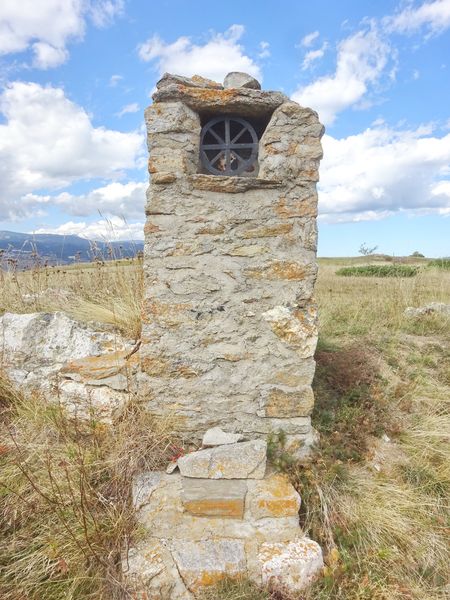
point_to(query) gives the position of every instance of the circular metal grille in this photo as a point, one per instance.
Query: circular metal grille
(228, 146)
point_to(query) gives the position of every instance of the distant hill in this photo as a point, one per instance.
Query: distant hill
(53, 249)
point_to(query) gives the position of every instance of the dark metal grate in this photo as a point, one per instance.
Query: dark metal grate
(228, 146)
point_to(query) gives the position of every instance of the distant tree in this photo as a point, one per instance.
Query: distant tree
(417, 254)
(366, 250)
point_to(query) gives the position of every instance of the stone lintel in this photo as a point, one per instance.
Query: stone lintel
(232, 185)
(243, 101)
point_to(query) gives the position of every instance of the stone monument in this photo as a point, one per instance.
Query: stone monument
(229, 332)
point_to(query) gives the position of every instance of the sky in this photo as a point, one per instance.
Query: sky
(76, 76)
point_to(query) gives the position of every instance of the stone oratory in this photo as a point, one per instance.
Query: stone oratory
(229, 333)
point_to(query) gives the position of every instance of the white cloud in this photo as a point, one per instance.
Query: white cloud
(312, 56)
(115, 80)
(47, 26)
(433, 16)
(309, 39)
(103, 12)
(361, 61)
(382, 171)
(264, 50)
(47, 56)
(221, 54)
(129, 108)
(49, 142)
(115, 199)
(114, 229)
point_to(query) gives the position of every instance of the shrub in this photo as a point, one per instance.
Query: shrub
(440, 263)
(378, 271)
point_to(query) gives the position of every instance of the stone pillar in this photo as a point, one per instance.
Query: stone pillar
(229, 335)
(230, 325)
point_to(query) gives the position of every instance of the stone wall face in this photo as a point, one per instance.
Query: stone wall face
(229, 323)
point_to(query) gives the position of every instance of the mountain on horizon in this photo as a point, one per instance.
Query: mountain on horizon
(53, 249)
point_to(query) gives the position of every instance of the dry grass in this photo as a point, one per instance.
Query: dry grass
(377, 504)
(65, 508)
(104, 292)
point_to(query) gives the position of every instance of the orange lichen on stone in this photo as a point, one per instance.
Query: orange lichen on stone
(280, 508)
(160, 367)
(151, 228)
(164, 313)
(101, 367)
(287, 208)
(214, 96)
(280, 269)
(208, 578)
(205, 81)
(278, 498)
(161, 178)
(229, 508)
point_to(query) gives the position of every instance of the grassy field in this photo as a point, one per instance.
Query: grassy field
(375, 494)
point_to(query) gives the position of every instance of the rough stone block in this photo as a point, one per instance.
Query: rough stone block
(272, 497)
(214, 498)
(295, 327)
(236, 79)
(171, 117)
(245, 460)
(278, 402)
(217, 437)
(206, 562)
(290, 566)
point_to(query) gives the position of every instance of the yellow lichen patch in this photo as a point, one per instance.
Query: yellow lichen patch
(275, 497)
(280, 269)
(279, 508)
(208, 578)
(269, 231)
(279, 486)
(231, 508)
(269, 551)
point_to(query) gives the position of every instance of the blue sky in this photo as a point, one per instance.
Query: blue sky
(76, 75)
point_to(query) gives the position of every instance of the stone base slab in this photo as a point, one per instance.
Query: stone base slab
(200, 531)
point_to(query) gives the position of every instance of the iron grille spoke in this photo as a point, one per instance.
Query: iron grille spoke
(230, 157)
(216, 135)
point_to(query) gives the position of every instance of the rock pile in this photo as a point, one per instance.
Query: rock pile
(84, 369)
(434, 308)
(224, 514)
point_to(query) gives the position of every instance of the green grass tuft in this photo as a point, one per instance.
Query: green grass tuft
(379, 271)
